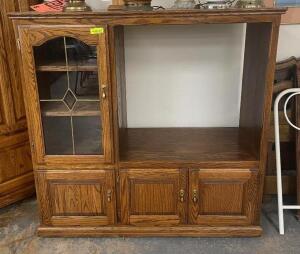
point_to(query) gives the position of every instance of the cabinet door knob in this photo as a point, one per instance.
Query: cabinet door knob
(109, 192)
(104, 87)
(195, 196)
(181, 195)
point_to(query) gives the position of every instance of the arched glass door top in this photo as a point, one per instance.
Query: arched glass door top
(68, 88)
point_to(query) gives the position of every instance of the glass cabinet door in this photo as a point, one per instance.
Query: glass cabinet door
(68, 81)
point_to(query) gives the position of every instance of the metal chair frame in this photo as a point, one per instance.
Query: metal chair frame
(281, 207)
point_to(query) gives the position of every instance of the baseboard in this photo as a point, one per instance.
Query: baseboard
(131, 231)
(16, 189)
(18, 195)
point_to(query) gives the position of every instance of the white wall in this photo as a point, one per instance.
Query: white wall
(98, 4)
(289, 42)
(180, 71)
(183, 75)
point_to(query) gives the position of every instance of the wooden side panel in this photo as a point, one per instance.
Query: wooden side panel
(7, 118)
(254, 79)
(118, 79)
(153, 197)
(270, 73)
(15, 161)
(3, 80)
(16, 177)
(258, 79)
(222, 197)
(120, 76)
(12, 113)
(81, 199)
(12, 62)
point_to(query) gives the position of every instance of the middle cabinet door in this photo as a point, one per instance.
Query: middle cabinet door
(153, 197)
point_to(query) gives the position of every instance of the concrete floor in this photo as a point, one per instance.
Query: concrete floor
(18, 225)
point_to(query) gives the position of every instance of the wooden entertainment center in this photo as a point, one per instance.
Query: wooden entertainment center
(95, 176)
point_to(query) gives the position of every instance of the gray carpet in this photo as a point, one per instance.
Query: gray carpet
(18, 235)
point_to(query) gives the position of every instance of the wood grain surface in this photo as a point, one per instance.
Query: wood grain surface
(16, 177)
(154, 181)
(186, 146)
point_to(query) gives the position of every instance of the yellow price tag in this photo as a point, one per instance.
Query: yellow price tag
(97, 30)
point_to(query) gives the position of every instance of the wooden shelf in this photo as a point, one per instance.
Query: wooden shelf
(60, 65)
(120, 14)
(167, 147)
(81, 108)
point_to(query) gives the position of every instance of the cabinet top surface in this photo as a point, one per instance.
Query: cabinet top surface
(152, 14)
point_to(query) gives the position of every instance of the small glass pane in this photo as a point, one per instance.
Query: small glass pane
(85, 84)
(52, 85)
(58, 135)
(51, 53)
(54, 108)
(80, 54)
(68, 86)
(287, 3)
(85, 129)
(89, 108)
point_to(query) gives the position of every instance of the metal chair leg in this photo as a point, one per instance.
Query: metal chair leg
(281, 207)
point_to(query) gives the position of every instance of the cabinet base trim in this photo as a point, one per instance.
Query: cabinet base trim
(130, 231)
(17, 195)
(16, 189)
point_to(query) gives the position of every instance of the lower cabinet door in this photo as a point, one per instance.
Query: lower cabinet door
(76, 198)
(153, 197)
(222, 196)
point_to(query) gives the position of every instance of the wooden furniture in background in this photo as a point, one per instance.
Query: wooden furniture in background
(116, 5)
(16, 176)
(285, 77)
(24, 5)
(95, 176)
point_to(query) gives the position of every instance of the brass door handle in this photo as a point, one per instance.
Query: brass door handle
(104, 88)
(195, 196)
(109, 193)
(181, 195)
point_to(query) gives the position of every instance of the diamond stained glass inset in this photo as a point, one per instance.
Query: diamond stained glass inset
(70, 99)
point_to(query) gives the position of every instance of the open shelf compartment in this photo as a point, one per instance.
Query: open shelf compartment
(182, 146)
(203, 146)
